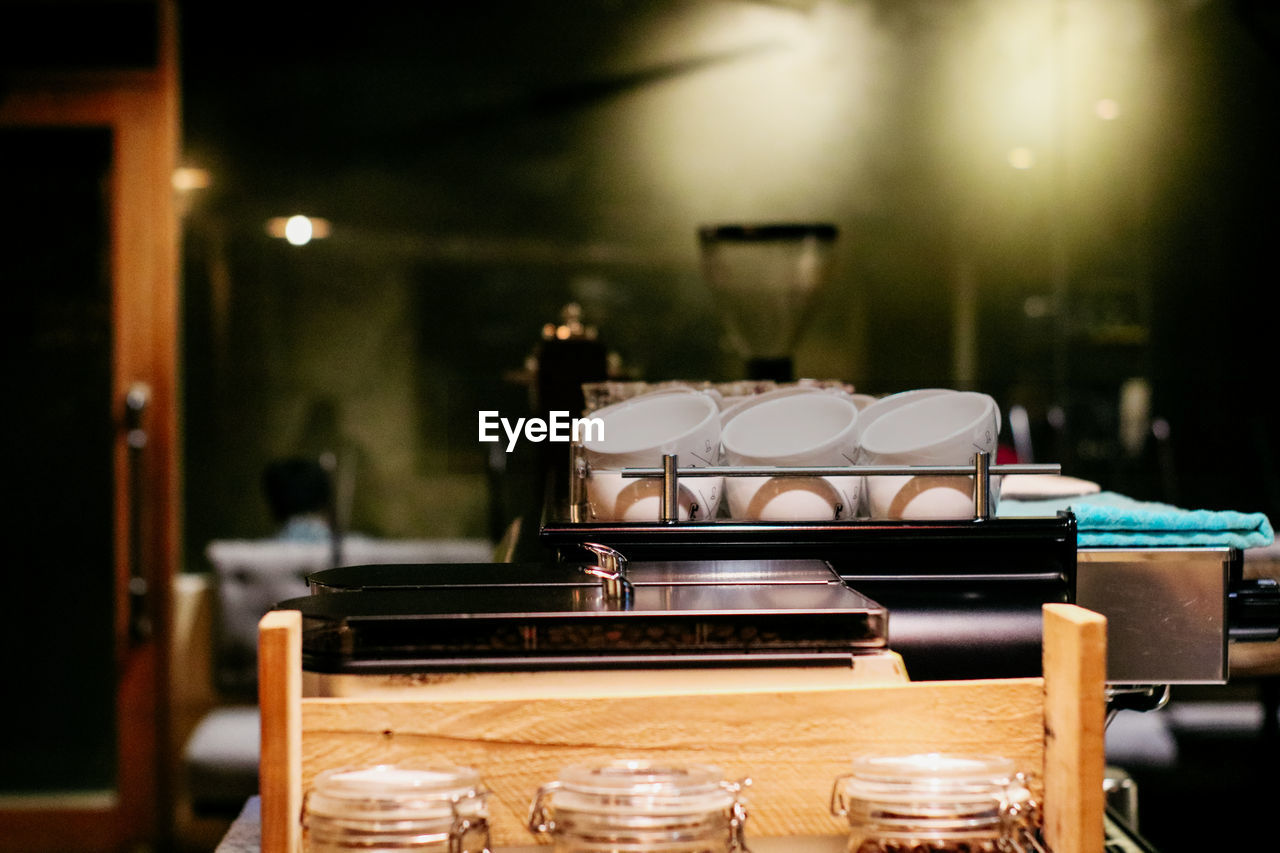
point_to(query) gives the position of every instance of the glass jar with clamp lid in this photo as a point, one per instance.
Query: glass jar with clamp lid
(441, 809)
(936, 802)
(641, 807)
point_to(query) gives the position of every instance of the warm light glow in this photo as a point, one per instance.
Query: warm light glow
(997, 92)
(187, 178)
(1107, 109)
(1021, 157)
(779, 112)
(1025, 103)
(298, 229)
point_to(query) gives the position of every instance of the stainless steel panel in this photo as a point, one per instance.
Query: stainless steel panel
(1166, 611)
(712, 572)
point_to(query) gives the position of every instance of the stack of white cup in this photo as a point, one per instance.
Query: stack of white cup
(927, 427)
(792, 428)
(637, 434)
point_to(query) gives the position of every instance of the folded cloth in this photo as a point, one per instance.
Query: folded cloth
(1027, 487)
(1107, 519)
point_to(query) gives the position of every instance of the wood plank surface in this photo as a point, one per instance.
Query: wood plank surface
(791, 743)
(1075, 663)
(791, 738)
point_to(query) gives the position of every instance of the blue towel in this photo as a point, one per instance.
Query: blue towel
(1107, 519)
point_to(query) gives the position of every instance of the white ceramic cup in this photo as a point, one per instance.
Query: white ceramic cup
(882, 406)
(922, 498)
(613, 497)
(938, 429)
(814, 429)
(741, 404)
(871, 409)
(862, 401)
(637, 433)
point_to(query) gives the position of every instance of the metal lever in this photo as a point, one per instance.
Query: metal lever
(611, 568)
(136, 401)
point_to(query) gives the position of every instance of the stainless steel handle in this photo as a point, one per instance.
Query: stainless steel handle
(136, 400)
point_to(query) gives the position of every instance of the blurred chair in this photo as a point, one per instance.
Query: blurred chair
(250, 577)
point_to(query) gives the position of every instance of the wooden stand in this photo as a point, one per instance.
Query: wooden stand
(791, 741)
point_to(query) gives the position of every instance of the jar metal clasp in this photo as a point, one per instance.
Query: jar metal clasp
(463, 825)
(541, 823)
(737, 815)
(1020, 819)
(839, 805)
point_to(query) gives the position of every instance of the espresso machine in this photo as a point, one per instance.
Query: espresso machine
(951, 599)
(854, 600)
(958, 598)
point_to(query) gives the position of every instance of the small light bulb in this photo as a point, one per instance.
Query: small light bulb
(297, 230)
(187, 178)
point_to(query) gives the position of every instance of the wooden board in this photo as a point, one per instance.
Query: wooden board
(791, 744)
(1075, 662)
(280, 705)
(792, 741)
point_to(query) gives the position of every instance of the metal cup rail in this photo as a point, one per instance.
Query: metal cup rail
(981, 469)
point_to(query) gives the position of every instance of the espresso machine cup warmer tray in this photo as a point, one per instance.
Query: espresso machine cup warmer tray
(511, 618)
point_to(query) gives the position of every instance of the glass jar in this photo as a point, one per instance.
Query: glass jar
(389, 808)
(634, 806)
(935, 802)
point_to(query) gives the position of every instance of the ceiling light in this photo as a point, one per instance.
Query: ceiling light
(298, 229)
(187, 178)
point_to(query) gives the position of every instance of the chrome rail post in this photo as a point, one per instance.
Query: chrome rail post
(669, 509)
(981, 485)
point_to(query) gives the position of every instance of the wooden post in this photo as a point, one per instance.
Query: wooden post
(1075, 661)
(280, 706)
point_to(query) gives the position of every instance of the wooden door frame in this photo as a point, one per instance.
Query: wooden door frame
(140, 108)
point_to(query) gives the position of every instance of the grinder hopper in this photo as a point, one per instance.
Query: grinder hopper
(764, 278)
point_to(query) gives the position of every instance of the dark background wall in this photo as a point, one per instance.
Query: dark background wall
(483, 164)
